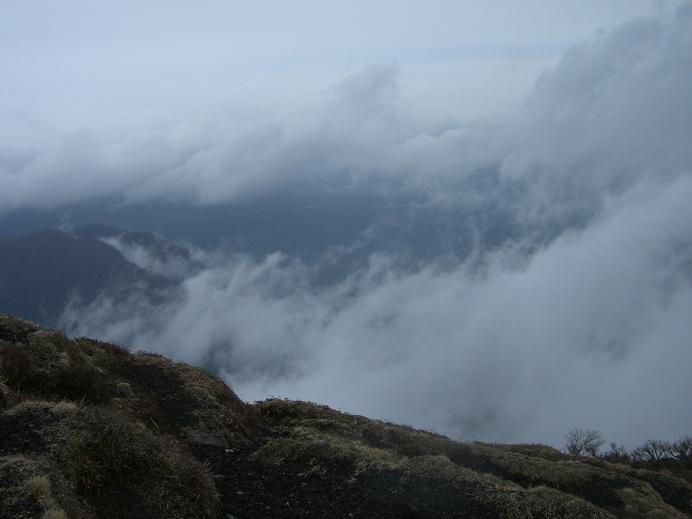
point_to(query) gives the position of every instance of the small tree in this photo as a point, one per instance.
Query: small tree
(653, 451)
(616, 454)
(682, 449)
(580, 442)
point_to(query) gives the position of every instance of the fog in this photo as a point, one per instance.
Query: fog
(567, 304)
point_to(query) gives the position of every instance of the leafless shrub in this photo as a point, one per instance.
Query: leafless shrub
(652, 451)
(682, 449)
(581, 442)
(616, 454)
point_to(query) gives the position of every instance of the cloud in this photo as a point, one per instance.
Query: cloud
(158, 257)
(370, 91)
(340, 137)
(591, 324)
(578, 318)
(614, 111)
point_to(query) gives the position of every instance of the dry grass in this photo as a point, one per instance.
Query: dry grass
(115, 464)
(674, 490)
(110, 426)
(317, 452)
(535, 450)
(525, 465)
(13, 329)
(54, 514)
(402, 439)
(104, 457)
(211, 406)
(26, 490)
(38, 486)
(115, 458)
(49, 364)
(597, 485)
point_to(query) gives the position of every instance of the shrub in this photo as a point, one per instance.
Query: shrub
(580, 442)
(682, 449)
(116, 457)
(616, 454)
(652, 451)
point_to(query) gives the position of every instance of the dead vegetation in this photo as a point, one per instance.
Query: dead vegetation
(528, 466)
(69, 401)
(25, 490)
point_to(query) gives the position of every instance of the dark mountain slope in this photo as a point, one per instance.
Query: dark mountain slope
(39, 272)
(156, 246)
(88, 429)
(309, 222)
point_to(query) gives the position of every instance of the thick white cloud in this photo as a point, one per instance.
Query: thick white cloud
(613, 112)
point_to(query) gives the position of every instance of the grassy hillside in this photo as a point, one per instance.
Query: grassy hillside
(88, 429)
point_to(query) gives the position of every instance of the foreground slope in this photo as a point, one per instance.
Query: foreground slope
(88, 429)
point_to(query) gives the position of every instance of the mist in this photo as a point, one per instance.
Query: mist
(558, 295)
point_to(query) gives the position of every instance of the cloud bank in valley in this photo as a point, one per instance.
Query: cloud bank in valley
(580, 319)
(591, 331)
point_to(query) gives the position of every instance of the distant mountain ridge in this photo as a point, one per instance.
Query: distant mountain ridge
(160, 248)
(41, 271)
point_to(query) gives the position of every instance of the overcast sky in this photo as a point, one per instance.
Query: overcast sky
(76, 62)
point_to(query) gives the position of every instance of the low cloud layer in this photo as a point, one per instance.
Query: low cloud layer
(579, 317)
(591, 331)
(614, 110)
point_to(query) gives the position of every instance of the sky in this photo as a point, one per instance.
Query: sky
(569, 125)
(88, 64)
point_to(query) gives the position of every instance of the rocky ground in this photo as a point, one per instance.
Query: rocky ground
(88, 429)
